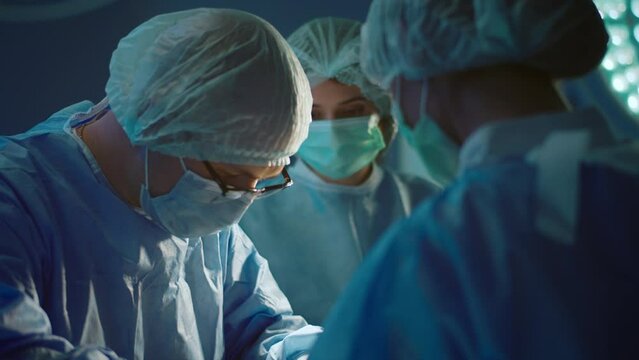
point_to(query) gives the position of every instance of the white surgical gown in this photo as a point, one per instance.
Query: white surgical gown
(315, 234)
(531, 253)
(81, 271)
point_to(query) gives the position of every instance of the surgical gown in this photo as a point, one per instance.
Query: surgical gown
(315, 234)
(530, 254)
(84, 274)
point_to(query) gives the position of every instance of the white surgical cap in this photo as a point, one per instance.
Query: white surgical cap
(211, 84)
(422, 38)
(328, 48)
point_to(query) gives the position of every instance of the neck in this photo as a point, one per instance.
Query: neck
(496, 94)
(358, 178)
(118, 159)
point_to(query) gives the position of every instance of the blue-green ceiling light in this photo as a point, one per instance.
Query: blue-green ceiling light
(620, 65)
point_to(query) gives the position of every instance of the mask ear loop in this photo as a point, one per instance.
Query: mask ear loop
(423, 99)
(398, 92)
(146, 167)
(397, 99)
(373, 120)
(183, 165)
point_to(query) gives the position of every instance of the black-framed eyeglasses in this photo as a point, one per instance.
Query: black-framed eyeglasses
(261, 192)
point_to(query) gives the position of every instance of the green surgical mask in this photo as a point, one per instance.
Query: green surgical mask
(439, 154)
(339, 148)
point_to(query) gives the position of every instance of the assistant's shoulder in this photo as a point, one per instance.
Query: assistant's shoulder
(623, 157)
(235, 243)
(464, 232)
(450, 249)
(412, 187)
(413, 180)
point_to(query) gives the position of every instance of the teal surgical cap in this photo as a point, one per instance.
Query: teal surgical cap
(423, 38)
(211, 84)
(328, 48)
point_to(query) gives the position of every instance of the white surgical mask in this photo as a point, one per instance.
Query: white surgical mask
(195, 206)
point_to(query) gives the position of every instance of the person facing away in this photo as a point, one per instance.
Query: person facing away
(315, 234)
(119, 220)
(530, 253)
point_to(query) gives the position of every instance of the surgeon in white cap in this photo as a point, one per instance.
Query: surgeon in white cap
(119, 219)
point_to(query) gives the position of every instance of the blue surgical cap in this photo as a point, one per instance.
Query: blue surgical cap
(328, 48)
(423, 38)
(211, 84)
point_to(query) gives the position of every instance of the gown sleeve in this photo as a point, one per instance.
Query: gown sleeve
(259, 322)
(25, 329)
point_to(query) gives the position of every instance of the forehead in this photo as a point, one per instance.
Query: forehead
(331, 92)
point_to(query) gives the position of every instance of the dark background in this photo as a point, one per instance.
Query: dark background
(47, 65)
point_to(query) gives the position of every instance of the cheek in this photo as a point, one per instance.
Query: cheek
(163, 178)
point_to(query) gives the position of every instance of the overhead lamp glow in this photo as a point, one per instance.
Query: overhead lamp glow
(632, 75)
(613, 9)
(620, 63)
(633, 103)
(634, 5)
(608, 63)
(619, 83)
(624, 55)
(619, 34)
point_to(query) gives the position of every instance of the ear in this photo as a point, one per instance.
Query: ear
(388, 126)
(445, 103)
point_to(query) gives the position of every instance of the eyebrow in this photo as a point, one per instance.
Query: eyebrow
(354, 99)
(348, 101)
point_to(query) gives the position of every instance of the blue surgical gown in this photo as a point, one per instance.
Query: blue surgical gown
(530, 254)
(83, 273)
(315, 234)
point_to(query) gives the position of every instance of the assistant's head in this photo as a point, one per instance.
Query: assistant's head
(453, 65)
(351, 122)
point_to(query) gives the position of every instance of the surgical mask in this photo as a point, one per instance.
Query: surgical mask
(439, 154)
(339, 148)
(195, 206)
